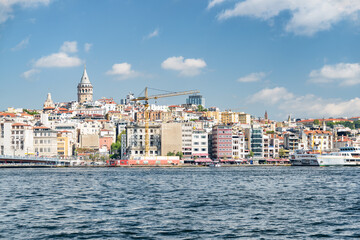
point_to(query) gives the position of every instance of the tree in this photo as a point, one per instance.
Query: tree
(179, 154)
(116, 146)
(282, 153)
(251, 153)
(200, 108)
(316, 122)
(357, 124)
(170, 154)
(29, 112)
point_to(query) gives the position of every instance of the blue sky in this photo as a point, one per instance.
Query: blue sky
(286, 57)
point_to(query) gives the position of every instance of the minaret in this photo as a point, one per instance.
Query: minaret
(85, 89)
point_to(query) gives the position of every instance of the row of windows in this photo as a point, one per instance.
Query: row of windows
(203, 150)
(42, 149)
(224, 145)
(142, 152)
(140, 130)
(224, 136)
(224, 149)
(197, 143)
(17, 132)
(43, 141)
(42, 134)
(85, 90)
(197, 136)
(18, 127)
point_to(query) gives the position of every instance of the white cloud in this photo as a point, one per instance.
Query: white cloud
(30, 73)
(271, 96)
(186, 67)
(87, 47)
(155, 33)
(58, 60)
(306, 106)
(69, 47)
(307, 16)
(21, 45)
(346, 74)
(252, 77)
(7, 7)
(123, 70)
(213, 3)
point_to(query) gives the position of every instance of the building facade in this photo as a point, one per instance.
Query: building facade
(45, 141)
(186, 137)
(200, 144)
(196, 99)
(238, 146)
(222, 142)
(135, 141)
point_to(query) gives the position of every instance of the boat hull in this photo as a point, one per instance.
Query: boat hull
(328, 160)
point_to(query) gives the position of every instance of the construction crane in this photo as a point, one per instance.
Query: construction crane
(146, 98)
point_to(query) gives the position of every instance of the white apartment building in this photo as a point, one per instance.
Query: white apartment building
(16, 139)
(238, 146)
(154, 107)
(135, 141)
(187, 130)
(271, 147)
(89, 127)
(318, 140)
(200, 148)
(45, 141)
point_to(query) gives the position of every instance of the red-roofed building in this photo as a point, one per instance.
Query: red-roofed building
(318, 139)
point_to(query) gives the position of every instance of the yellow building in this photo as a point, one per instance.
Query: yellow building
(64, 146)
(229, 117)
(213, 114)
(244, 118)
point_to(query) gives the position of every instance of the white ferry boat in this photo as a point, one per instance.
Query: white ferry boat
(347, 156)
(303, 158)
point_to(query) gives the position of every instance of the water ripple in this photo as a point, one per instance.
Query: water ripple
(198, 203)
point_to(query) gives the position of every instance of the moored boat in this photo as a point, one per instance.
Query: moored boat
(303, 158)
(347, 156)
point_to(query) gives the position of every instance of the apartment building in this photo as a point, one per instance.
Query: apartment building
(222, 142)
(45, 141)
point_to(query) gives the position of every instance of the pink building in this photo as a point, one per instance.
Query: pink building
(222, 142)
(105, 141)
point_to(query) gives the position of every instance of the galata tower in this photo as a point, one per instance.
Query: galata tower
(85, 89)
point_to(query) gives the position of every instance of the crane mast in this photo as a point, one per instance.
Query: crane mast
(146, 98)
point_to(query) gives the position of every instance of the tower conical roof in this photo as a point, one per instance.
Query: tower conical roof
(85, 79)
